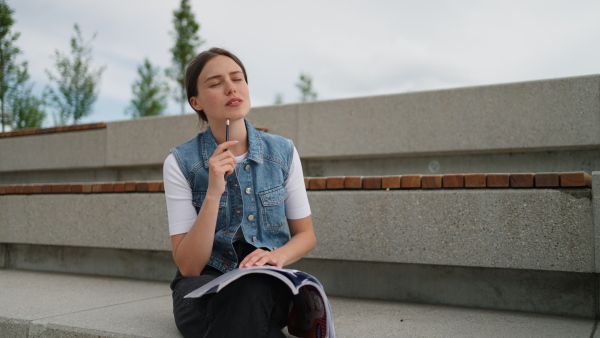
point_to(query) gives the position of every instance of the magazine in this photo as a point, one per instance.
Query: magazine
(310, 315)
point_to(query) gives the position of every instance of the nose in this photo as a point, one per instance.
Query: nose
(230, 88)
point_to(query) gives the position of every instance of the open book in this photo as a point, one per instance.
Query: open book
(310, 315)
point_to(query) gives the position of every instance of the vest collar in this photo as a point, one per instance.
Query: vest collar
(255, 145)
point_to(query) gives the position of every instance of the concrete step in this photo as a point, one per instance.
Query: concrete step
(44, 304)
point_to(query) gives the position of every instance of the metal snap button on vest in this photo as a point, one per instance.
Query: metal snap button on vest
(251, 217)
(254, 239)
(248, 190)
(247, 167)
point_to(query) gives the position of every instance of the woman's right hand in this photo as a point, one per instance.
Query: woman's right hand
(220, 165)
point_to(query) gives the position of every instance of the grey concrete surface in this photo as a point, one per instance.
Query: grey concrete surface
(586, 160)
(539, 116)
(104, 174)
(56, 305)
(77, 149)
(128, 221)
(3, 256)
(534, 291)
(596, 213)
(539, 229)
(32, 300)
(146, 141)
(139, 264)
(527, 115)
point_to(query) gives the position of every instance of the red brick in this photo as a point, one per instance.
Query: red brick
(142, 187)
(61, 188)
(391, 182)
(76, 188)
(576, 179)
(547, 180)
(19, 188)
(46, 188)
(119, 187)
(475, 180)
(411, 181)
(335, 182)
(9, 189)
(162, 186)
(318, 183)
(154, 186)
(86, 188)
(522, 180)
(498, 180)
(306, 182)
(353, 182)
(96, 187)
(2, 189)
(130, 186)
(453, 181)
(36, 188)
(371, 182)
(108, 187)
(431, 181)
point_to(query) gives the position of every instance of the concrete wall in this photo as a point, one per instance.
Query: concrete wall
(549, 125)
(536, 229)
(515, 249)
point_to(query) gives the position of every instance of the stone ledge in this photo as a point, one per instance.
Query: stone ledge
(540, 229)
(578, 179)
(60, 129)
(57, 305)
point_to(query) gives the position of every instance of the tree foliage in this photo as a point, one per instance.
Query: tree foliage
(278, 98)
(150, 92)
(26, 109)
(19, 107)
(305, 86)
(76, 82)
(187, 41)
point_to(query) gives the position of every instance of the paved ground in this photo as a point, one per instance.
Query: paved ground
(38, 304)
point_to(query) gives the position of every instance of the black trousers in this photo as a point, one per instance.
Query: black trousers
(255, 305)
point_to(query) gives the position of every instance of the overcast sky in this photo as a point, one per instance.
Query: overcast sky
(351, 48)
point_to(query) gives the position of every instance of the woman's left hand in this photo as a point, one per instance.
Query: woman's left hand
(260, 257)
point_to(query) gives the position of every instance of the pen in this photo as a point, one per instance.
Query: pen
(227, 132)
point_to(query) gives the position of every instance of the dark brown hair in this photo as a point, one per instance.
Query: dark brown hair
(195, 68)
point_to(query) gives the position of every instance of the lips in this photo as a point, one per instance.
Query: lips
(236, 101)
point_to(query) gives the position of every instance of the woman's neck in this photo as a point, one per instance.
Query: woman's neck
(237, 131)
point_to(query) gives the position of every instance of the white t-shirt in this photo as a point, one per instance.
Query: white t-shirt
(182, 214)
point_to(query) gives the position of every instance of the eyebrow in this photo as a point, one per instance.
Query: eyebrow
(220, 76)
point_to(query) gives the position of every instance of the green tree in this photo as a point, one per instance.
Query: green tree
(278, 98)
(186, 42)
(19, 107)
(76, 82)
(305, 86)
(26, 109)
(8, 55)
(150, 92)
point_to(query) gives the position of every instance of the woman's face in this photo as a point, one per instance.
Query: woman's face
(222, 91)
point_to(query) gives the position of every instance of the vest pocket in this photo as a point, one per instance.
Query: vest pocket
(273, 207)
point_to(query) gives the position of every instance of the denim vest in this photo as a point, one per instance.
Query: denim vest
(253, 199)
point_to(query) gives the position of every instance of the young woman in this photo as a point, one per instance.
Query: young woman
(232, 204)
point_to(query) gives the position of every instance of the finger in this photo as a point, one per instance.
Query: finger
(223, 146)
(252, 257)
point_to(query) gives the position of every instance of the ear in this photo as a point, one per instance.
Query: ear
(195, 104)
